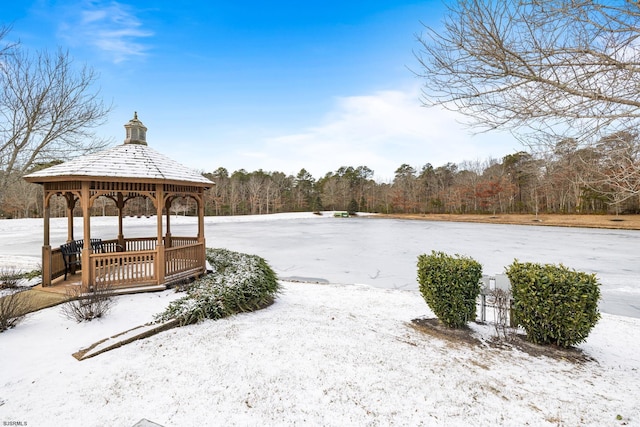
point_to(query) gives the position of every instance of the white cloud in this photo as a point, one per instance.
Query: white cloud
(111, 27)
(381, 131)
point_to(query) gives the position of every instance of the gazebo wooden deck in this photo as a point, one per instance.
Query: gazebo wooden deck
(121, 174)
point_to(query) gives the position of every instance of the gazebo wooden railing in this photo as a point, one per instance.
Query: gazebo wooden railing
(138, 265)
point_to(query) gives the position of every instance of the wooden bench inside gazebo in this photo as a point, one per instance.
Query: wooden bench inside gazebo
(122, 173)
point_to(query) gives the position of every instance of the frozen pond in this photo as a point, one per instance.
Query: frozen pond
(379, 252)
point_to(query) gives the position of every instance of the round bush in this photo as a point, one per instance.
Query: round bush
(239, 283)
(450, 285)
(554, 305)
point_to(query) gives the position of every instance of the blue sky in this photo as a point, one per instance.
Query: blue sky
(277, 86)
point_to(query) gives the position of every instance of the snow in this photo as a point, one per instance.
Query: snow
(377, 252)
(322, 354)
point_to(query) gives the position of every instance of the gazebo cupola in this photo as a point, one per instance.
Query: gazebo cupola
(136, 131)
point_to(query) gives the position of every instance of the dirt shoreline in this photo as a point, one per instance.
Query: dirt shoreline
(620, 222)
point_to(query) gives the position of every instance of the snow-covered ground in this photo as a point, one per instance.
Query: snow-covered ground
(322, 354)
(330, 355)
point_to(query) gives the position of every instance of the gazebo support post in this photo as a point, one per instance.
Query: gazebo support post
(71, 204)
(160, 246)
(120, 206)
(167, 207)
(86, 249)
(46, 247)
(200, 202)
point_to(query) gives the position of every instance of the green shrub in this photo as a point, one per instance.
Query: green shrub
(554, 305)
(352, 208)
(450, 286)
(239, 283)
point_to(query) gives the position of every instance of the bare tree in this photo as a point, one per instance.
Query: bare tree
(255, 191)
(238, 192)
(542, 69)
(617, 174)
(48, 110)
(21, 199)
(405, 194)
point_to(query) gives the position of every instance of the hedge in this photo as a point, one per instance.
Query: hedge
(450, 286)
(554, 304)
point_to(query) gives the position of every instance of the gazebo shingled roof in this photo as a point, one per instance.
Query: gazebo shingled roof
(121, 173)
(134, 160)
(123, 161)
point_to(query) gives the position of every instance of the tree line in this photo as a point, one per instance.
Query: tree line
(568, 179)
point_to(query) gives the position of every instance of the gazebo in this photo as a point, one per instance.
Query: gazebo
(121, 174)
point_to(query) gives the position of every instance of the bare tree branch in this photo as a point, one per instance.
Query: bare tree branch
(48, 110)
(543, 69)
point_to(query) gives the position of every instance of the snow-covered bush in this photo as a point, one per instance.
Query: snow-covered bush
(239, 283)
(554, 305)
(450, 285)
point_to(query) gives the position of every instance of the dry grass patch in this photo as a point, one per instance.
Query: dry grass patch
(436, 328)
(621, 222)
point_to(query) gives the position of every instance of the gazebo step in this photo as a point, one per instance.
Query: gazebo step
(138, 289)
